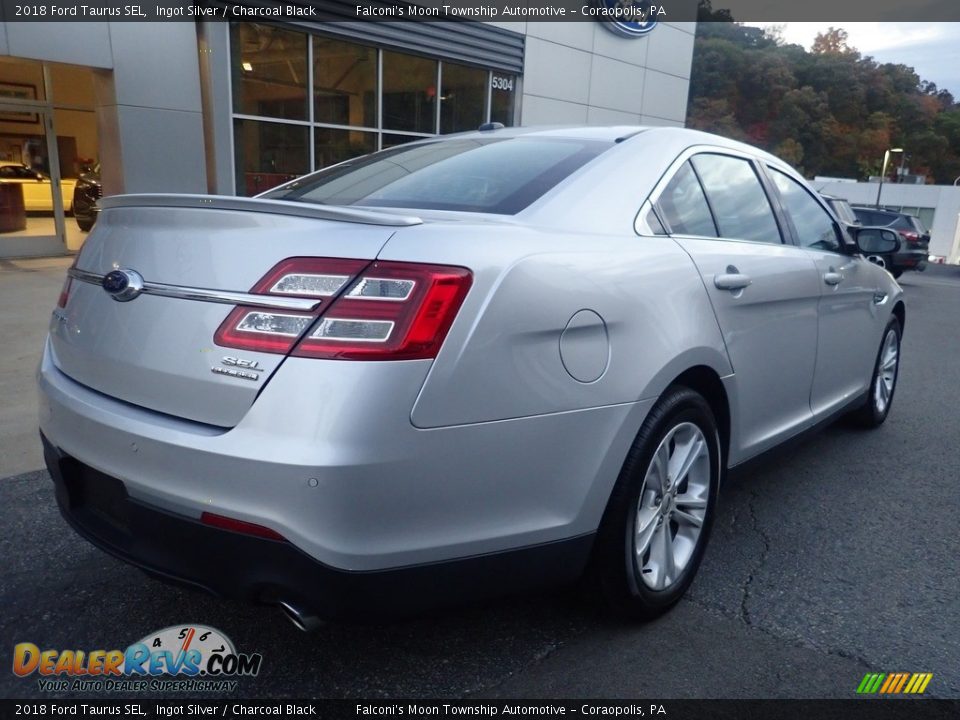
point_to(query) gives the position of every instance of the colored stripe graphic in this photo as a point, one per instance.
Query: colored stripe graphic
(894, 683)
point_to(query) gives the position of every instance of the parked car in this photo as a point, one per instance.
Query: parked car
(85, 195)
(842, 209)
(849, 222)
(459, 367)
(915, 245)
(37, 192)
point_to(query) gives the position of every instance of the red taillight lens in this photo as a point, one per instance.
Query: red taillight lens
(912, 238)
(277, 331)
(394, 311)
(241, 526)
(374, 311)
(67, 283)
(64, 293)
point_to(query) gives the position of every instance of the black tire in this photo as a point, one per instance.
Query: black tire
(896, 273)
(870, 415)
(85, 224)
(615, 566)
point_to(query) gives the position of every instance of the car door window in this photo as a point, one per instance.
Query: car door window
(813, 225)
(739, 203)
(684, 207)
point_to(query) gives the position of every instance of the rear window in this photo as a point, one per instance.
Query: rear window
(843, 211)
(488, 175)
(874, 217)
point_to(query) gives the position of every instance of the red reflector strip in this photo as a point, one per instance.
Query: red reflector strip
(240, 526)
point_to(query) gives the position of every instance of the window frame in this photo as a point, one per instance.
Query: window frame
(842, 240)
(641, 227)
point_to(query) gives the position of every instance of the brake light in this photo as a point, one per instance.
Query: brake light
(911, 237)
(369, 311)
(67, 284)
(277, 331)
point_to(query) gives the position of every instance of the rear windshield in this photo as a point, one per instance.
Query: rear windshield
(488, 175)
(843, 211)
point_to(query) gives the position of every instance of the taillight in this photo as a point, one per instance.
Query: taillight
(912, 238)
(277, 331)
(67, 283)
(368, 311)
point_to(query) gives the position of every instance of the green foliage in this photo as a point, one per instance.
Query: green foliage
(829, 111)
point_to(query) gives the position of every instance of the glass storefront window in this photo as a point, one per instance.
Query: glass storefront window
(268, 154)
(269, 71)
(362, 99)
(463, 97)
(409, 93)
(344, 83)
(332, 146)
(503, 89)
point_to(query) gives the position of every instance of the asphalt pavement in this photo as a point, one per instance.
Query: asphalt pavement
(835, 559)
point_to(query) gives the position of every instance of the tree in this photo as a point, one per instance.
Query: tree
(831, 110)
(833, 42)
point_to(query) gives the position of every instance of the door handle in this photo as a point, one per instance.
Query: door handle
(832, 277)
(731, 280)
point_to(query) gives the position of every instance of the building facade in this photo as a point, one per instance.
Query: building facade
(236, 108)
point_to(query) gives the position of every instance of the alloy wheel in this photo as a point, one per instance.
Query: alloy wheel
(886, 371)
(672, 506)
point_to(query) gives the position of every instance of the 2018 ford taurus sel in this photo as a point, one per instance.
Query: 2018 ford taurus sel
(466, 365)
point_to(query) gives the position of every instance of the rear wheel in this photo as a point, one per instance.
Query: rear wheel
(886, 371)
(657, 522)
(84, 224)
(896, 273)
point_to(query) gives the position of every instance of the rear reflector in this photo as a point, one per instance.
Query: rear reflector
(368, 311)
(227, 523)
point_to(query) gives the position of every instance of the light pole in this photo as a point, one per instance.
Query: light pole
(883, 170)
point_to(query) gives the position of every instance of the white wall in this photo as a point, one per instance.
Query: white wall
(944, 198)
(580, 72)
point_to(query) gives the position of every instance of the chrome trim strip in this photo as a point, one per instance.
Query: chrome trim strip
(204, 295)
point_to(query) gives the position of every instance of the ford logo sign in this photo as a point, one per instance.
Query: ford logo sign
(122, 285)
(628, 18)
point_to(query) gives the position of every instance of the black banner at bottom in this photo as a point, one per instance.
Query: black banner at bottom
(854, 709)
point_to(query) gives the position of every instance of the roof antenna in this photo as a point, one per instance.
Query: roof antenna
(486, 127)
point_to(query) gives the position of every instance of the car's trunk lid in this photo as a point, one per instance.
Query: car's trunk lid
(158, 351)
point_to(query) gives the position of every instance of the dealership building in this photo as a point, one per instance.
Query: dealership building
(238, 107)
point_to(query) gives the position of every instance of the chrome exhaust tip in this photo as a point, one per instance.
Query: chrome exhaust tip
(302, 620)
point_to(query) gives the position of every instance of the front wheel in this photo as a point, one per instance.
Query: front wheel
(886, 372)
(655, 529)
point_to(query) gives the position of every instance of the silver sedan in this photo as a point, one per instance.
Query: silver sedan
(478, 363)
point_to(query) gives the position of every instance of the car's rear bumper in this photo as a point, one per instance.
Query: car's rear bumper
(358, 488)
(913, 259)
(235, 565)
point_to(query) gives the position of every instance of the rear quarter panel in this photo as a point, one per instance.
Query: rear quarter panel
(502, 357)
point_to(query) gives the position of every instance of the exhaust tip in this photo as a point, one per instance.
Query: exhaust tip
(302, 620)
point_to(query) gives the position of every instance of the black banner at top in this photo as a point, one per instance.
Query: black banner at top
(639, 12)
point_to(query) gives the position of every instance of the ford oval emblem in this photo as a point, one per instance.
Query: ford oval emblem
(123, 285)
(628, 18)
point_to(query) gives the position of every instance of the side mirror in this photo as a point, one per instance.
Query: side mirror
(876, 241)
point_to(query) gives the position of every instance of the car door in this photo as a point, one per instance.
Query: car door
(764, 293)
(848, 334)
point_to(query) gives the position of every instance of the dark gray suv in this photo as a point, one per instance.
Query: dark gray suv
(914, 237)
